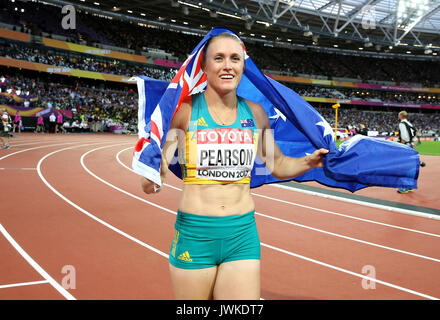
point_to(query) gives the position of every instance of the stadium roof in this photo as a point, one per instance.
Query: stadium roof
(373, 25)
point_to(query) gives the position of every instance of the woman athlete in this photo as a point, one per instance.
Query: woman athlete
(215, 253)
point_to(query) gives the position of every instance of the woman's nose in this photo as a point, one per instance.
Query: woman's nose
(227, 65)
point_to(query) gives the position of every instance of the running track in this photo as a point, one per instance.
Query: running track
(72, 201)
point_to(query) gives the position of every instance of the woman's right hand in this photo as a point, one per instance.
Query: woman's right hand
(149, 186)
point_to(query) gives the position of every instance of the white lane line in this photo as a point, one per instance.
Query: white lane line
(359, 202)
(45, 146)
(40, 270)
(302, 206)
(122, 233)
(119, 189)
(347, 216)
(35, 148)
(269, 246)
(18, 168)
(35, 265)
(22, 284)
(291, 223)
(31, 143)
(350, 238)
(351, 273)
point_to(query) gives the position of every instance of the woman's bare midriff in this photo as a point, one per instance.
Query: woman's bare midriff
(216, 199)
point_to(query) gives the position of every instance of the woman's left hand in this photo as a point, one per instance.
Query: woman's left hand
(314, 160)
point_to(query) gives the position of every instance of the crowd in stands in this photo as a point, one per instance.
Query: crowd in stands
(381, 121)
(38, 17)
(97, 107)
(102, 107)
(367, 95)
(72, 60)
(105, 106)
(76, 61)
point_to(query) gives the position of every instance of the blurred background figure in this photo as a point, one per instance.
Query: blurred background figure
(363, 130)
(406, 136)
(59, 124)
(419, 134)
(17, 122)
(40, 124)
(4, 128)
(52, 123)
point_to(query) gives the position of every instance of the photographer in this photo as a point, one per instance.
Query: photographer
(406, 136)
(407, 132)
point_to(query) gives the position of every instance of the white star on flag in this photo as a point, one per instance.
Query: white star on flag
(327, 128)
(278, 114)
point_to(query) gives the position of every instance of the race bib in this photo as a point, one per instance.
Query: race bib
(224, 154)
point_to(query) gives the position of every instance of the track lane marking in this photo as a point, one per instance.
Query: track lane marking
(303, 206)
(22, 284)
(122, 233)
(266, 245)
(359, 202)
(23, 253)
(44, 146)
(35, 265)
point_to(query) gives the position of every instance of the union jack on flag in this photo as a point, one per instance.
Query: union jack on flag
(297, 128)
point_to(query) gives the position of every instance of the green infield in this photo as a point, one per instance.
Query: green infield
(431, 148)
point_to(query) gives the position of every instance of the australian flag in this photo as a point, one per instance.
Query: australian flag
(247, 123)
(297, 127)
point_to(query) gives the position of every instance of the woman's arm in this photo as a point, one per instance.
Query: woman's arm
(280, 165)
(168, 151)
(179, 125)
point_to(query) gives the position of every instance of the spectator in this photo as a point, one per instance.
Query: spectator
(363, 130)
(84, 126)
(66, 127)
(59, 124)
(17, 122)
(75, 126)
(40, 124)
(52, 123)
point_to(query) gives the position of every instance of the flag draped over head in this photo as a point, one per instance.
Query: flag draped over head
(297, 127)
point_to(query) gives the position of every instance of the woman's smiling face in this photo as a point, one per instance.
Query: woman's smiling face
(224, 64)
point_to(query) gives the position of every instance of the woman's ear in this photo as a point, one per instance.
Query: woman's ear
(202, 64)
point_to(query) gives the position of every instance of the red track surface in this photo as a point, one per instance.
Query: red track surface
(427, 194)
(117, 238)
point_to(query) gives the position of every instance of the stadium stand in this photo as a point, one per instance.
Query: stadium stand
(91, 99)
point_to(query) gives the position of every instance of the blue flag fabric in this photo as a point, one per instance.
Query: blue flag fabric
(297, 127)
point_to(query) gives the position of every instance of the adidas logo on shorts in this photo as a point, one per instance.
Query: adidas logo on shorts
(185, 257)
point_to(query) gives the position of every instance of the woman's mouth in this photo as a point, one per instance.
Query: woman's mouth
(226, 77)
